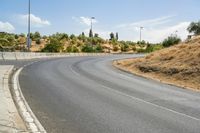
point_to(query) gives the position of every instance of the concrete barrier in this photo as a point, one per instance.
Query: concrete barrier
(1, 56)
(32, 55)
(9, 56)
(20, 56)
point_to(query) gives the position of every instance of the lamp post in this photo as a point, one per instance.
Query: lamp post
(91, 22)
(29, 25)
(141, 28)
(91, 30)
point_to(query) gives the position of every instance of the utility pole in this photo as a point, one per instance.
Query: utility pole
(141, 28)
(29, 25)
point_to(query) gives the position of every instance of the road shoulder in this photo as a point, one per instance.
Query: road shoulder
(123, 65)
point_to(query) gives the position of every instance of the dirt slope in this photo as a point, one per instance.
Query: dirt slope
(178, 65)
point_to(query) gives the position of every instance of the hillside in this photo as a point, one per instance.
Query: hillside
(62, 42)
(178, 65)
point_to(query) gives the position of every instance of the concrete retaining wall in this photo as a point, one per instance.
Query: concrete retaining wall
(31, 55)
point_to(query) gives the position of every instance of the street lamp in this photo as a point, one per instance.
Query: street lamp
(92, 18)
(141, 28)
(29, 25)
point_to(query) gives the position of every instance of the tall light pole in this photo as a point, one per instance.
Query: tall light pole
(29, 25)
(92, 18)
(91, 30)
(141, 28)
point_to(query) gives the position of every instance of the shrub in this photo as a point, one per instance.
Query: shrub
(134, 48)
(150, 48)
(53, 46)
(194, 27)
(69, 49)
(72, 37)
(98, 48)
(87, 48)
(115, 48)
(124, 47)
(72, 49)
(153, 47)
(171, 40)
(141, 50)
(38, 41)
(75, 49)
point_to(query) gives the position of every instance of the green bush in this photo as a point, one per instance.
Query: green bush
(72, 49)
(153, 47)
(150, 48)
(170, 41)
(124, 47)
(115, 48)
(38, 41)
(75, 49)
(134, 48)
(141, 50)
(7, 39)
(98, 49)
(53, 46)
(87, 48)
(194, 27)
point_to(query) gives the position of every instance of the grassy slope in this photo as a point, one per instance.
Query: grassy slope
(178, 65)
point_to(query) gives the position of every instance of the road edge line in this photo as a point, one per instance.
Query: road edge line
(24, 109)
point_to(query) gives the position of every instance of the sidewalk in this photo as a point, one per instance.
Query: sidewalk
(10, 120)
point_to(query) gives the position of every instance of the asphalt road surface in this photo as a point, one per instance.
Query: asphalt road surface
(89, 95)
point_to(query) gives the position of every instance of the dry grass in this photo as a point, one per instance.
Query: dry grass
(178, 65)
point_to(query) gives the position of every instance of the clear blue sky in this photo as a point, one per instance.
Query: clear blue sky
(159, 17)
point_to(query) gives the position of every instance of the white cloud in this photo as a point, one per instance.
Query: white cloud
(6, 27)
(159, 34)
(35, 21)
(84, 20)
(155, 30)
(148, 23)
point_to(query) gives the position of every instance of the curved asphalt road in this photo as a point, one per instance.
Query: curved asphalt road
(88, 95)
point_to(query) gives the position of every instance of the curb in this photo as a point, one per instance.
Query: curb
(31, 121)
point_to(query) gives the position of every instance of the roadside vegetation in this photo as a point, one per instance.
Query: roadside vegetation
(62, 42)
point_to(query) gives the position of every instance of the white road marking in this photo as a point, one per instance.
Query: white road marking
(155, 105)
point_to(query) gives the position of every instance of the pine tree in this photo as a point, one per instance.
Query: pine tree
(112, 36)
(91, 33)
(83, 34)
(96, 35)
(117, 36)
